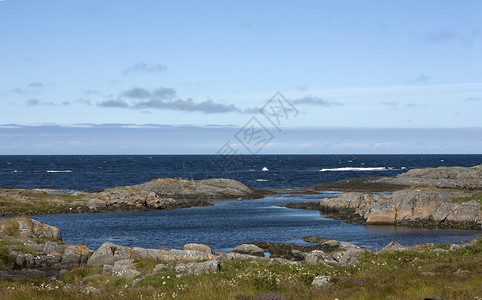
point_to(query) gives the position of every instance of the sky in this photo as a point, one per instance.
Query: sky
(254, 77)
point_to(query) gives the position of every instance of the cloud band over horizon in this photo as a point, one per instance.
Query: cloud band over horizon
(167, 139)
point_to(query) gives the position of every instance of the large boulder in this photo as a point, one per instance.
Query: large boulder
(249, 249)
(108, 254)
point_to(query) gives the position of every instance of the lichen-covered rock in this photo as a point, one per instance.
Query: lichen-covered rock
(124, 269)
(76, 255)
(29, 228)
(199, 247)
(207, 267)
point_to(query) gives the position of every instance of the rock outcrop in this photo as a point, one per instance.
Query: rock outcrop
(441, 177)
(198, 189)
(165, 193)
(466, 178)
(108, 254)
(407, 207)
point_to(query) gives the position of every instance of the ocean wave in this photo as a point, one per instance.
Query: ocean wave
(62, 171)
(262, 180)
(345, 169)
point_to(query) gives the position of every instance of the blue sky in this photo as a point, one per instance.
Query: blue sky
(184, 77)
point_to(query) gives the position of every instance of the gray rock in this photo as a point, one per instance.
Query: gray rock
(249, 249)
(52, 247)
(160, 268)
(318, 256)
(125, 269)
(407, 207)
(321, 280)
(183, 255)
(207, 267)
(137, 280)
(232, 256)
(37, 229)
(198, 189)
(298, 255)
(76, 255)
(349, 255)
(392, 247)
(442, 177)
(104, 255)
(107, 269)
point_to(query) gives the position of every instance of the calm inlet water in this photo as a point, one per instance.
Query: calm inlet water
(229, 223)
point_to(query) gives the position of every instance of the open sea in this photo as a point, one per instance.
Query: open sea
(228, 223)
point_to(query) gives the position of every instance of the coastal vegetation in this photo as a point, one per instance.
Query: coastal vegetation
(408, 274)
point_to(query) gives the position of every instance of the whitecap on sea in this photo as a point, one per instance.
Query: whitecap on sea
(356, 169)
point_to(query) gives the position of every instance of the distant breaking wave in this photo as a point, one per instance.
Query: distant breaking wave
(360, 169)
(63, 171)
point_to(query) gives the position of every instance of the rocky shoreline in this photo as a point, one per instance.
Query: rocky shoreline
(34, 249)
(446, 197)
(163, 193)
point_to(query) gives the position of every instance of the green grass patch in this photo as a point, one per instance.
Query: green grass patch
(477, 196)
(75, 276)
(146, 264)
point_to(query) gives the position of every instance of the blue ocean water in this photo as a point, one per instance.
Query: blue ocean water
(92, 172)
(228, 223)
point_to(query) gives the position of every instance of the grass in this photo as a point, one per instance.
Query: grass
(477, 196)
(6, 258)
(399, 275)
(18, 202)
